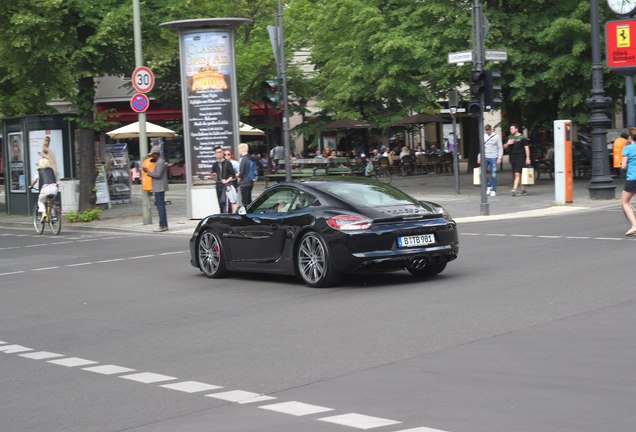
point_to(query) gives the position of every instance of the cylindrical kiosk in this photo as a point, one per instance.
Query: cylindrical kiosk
(210, 103)
(563, 172)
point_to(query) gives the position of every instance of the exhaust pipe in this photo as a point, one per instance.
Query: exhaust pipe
(418, 264)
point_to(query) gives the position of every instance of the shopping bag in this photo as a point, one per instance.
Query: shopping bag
(527, 176)
(477, 176)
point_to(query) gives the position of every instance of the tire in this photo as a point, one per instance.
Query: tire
(39, 226)
(55, 222)
(210, 255)
(313, 262)
(384, 175)
(429, 270)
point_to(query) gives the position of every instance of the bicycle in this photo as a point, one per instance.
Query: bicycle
(378, 172)
(52, 216)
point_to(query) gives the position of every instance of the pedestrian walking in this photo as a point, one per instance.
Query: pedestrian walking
(159, 175)
(519, 157)
(628, 164)
(223, 174)
(247, 168)
(493, 149)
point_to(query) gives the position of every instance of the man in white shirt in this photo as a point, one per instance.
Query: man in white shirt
(494, 152)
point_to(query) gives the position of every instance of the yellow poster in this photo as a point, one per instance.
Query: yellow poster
(622, 36)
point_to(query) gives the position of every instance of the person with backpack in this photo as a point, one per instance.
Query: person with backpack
(247, 174)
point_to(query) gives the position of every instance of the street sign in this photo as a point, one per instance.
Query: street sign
(139, 102)
(496, 55)
(460, 57)
(143, 79)
(452, 110)
(621, 45)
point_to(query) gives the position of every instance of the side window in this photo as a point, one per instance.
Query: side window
(278, 201)
(303, 200)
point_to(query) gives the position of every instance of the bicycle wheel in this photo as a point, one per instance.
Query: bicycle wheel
(384, 175)
(37, 224)
(55, 218)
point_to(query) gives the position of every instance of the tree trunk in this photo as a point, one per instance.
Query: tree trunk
(86, 144)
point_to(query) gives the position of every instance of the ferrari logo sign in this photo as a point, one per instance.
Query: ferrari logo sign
(622, 36)
(621, 49)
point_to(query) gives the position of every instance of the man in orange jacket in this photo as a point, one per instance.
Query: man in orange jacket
(146, 180)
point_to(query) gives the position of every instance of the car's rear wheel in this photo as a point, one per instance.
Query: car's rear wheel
(314, 263)
(421, 268)
(210, 255)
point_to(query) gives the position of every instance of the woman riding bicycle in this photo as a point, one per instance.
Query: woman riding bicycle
(47, 183)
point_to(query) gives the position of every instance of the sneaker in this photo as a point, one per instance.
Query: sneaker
(488, 190)
(514, 192)
(493, 193)
(524, 192)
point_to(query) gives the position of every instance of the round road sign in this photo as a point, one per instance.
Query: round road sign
(143, 79)
(139, 102)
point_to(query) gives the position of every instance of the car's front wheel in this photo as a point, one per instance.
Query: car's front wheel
(314, 263)
(210, 255)
(422, 269)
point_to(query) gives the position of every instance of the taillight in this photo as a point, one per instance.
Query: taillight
(348, 223)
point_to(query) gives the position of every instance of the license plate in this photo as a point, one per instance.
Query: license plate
(416, 240)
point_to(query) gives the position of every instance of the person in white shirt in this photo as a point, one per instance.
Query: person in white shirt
(494, 152)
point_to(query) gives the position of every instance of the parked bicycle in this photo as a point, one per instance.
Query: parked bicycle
(52, 216)
(378, 172)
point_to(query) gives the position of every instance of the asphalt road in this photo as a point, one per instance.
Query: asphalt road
(529, 330)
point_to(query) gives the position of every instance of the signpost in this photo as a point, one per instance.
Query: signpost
(139, 102)
(143, 79)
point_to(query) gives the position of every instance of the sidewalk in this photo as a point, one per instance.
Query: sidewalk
(464, 207)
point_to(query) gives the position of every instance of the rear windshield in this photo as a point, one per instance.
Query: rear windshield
(366, 194)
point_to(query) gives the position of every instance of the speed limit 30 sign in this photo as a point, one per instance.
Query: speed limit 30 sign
(143, 80)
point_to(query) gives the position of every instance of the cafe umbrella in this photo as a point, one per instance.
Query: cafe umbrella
(132, 131)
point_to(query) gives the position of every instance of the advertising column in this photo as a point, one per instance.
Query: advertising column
(210, 103)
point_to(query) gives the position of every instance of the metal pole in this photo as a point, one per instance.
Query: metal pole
(283, 82)
(453, 111)
(478, 55)
(601, 185)
(141, 117)
(629, 100)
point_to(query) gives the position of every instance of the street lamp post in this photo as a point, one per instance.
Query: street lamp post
(601, 185)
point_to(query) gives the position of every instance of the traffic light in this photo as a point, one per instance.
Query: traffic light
(477, 83)
(492, 91)
(271, 95)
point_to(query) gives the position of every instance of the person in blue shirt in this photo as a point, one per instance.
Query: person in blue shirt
(629, 164)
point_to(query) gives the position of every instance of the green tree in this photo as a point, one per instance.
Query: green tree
(55, 49)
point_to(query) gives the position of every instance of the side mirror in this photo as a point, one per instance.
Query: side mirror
(242, 211)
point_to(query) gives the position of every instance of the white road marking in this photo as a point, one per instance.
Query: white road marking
(147, 377)
(12, 273)
(359, 421)
(578, 238)
(141, 256)
(111, 260)
(172, 253)
(257, 399)
(44, 268)
(421, 429)
(234, 395)
(191, 386)
(550, 237)
(14, 349)
(72, 362)
(521, 235)
(497, 235)
(78, 264)
(296, 408)
(41, 355)
(61, 242)
(608, 238)
(108, 369)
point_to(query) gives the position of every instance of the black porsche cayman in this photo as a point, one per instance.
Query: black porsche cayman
(320, 229)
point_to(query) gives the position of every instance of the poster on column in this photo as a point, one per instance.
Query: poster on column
(17, 180)
(207, 69)
(46, 144)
